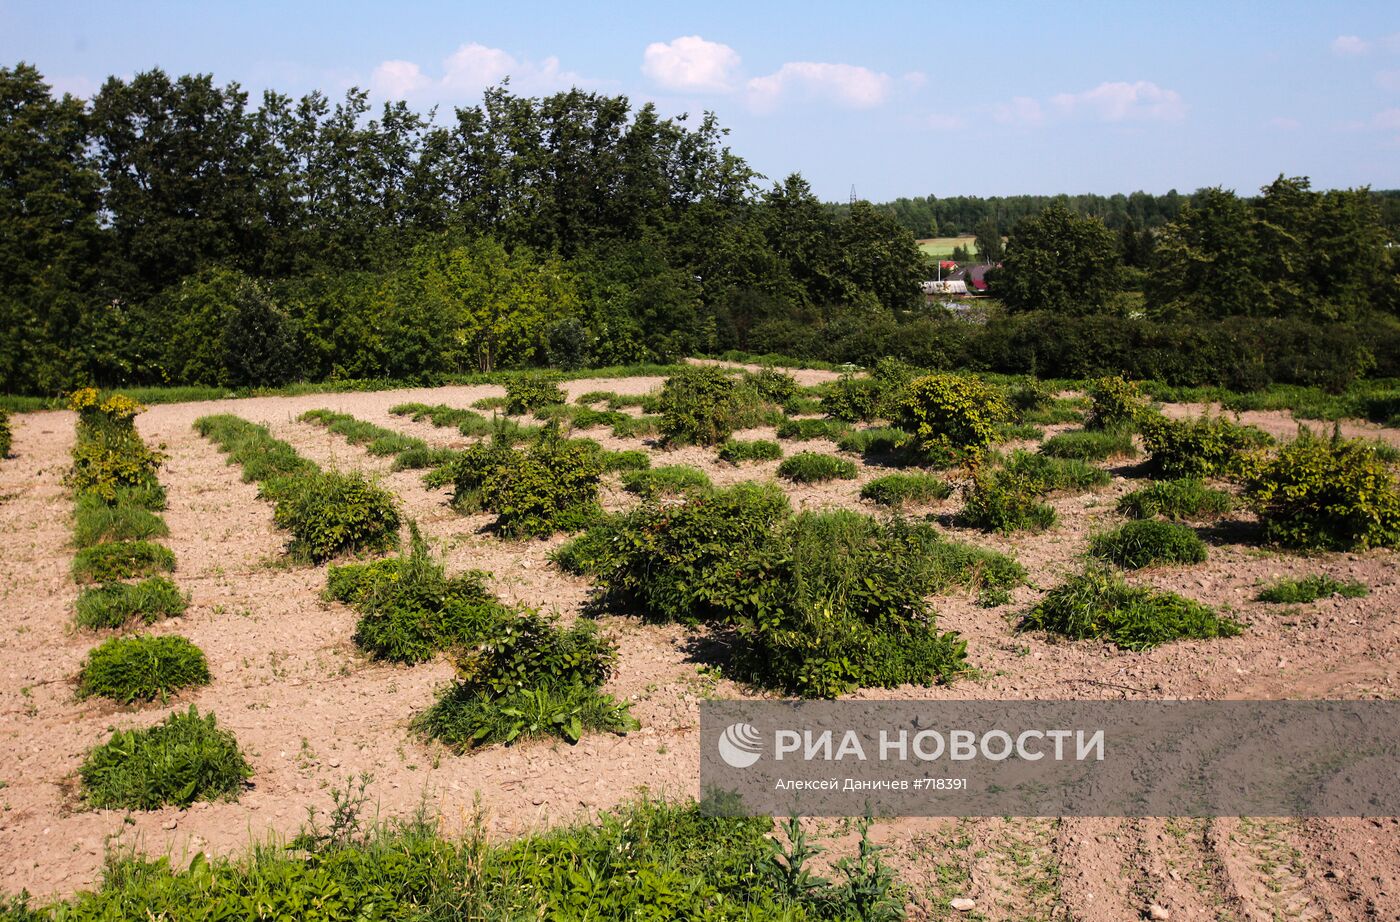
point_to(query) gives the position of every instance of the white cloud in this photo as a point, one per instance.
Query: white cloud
(1350, 45)
(1119, 101)
(398, 79)
(844, 84)
(1021, 110)
(690, 63)
(1284, 123)
(468, 70)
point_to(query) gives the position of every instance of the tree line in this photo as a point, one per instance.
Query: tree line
(171, 231)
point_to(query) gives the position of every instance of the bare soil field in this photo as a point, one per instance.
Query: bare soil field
(310, 710)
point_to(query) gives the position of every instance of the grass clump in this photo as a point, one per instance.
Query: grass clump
(184, 759)
(128, 517)
(898, 490)
(468, 422)
(1186, 498)
(1329, 494)
(1148, 542)
(737, 451)
(376, 439)
(1310, 589)
(802, 430)
(813, 467)
(253, 448)
(121, 560)
(1091, 444)
(671, 480)
(885, 443)
(114, 605)
(142, 668)
(531, 391)
(634, 427)
(410, 608)
(1099, 603)
(489, 403)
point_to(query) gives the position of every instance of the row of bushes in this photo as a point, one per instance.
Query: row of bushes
(328, 513)
(409, 453)
(519, 674)
(814, 603)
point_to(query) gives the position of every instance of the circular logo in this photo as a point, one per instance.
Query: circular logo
(740, 745)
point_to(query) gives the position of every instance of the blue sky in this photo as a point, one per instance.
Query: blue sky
(895, 98)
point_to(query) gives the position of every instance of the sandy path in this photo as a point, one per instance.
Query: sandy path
(310, 710)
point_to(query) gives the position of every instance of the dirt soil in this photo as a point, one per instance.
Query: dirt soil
(311, 711)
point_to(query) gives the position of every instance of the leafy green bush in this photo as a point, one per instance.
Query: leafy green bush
(142, 668)
(1148, 542)
(896, 490)
(5, 436)
(552, 486)
(699, 405)
(109, 455)
(1005, 501)
(1332, 494)
(121, 560)
(1099, 603)
(376, 439)
(812, 467)
(1186, 498)
(126, 518)
(184, 759)
(671, 480)
(951, 417)
(1091, 444)
(1115, 403)
(1208, 446)
(113, 605)
(330, 513)
(805, 429)
(1310, 589)
(852, 399)
(410, 609)
(771, 385)
(736, 451)
(530, 391)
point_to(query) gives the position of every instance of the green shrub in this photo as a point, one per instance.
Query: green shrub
(532, 391)
(1186, 498)
(1148, 542)
(885, 443)
(377, 440)
(1099, 603)
(5, 437)
(671, 480)
(632, 427)
(109, 458)
(633, 460)
(699, 406)
(852, 399)
(550, 487)
(1310, 589)
(951, 417)
(1330, 494)
(1203, 447)
(771, 385)
(1005, 501)
(812, 467)
(805, 429)
(736, 451)
(113, 605)
(142, 668)
(184, 759)
(896, 490)
(410, 609)
(127, 518)
(1115, 403)
(468, 422)
(330, 513)
(102, 563)
(1091, 445)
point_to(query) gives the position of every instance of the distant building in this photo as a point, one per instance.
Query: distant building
(937, 288)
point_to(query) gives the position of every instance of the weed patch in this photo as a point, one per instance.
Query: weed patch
(1187, 498)
(1091, 445)
(114, 605)
(1148, 542)
(672, 480)
(142, 668)
(737, 451)
(899, 490)
(812, 467)
(1310, 589)
(186, 758)
(121, 560)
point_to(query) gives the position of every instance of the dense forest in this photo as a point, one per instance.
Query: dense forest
(169, 230)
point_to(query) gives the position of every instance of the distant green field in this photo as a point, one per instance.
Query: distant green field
(942, 247)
